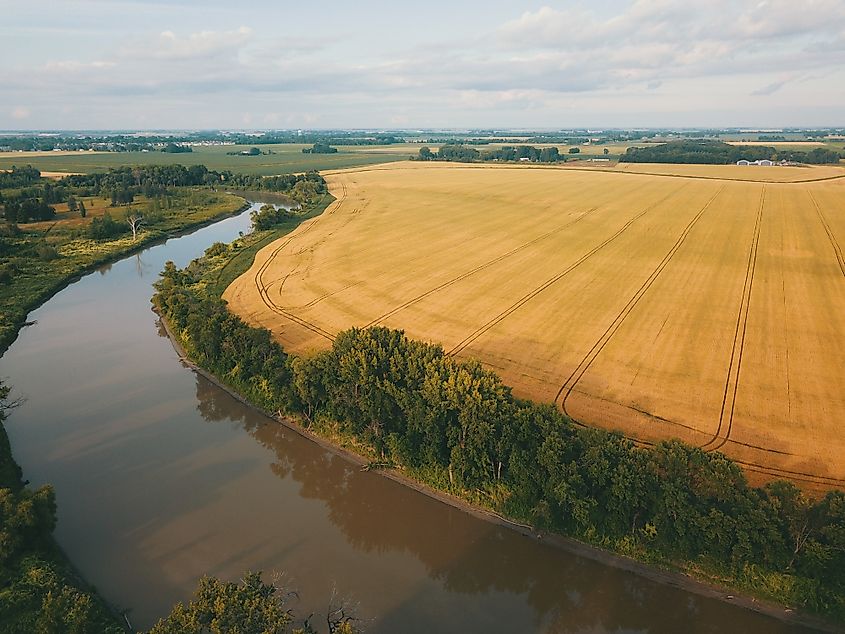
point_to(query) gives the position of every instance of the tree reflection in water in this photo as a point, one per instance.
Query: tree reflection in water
(468, 556)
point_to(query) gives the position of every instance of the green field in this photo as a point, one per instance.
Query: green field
(285, 159)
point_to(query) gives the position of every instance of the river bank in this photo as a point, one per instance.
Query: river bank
(15, 314)
(677, 578)
(52, 553)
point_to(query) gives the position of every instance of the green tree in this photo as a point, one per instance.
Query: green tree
(220, 607)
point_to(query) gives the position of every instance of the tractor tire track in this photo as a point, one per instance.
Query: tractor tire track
(837, 250)
(726, 413)
(262, 288)
(423, 258)
(579, 371)
(774, 472)
(478, 268)
(466, 341)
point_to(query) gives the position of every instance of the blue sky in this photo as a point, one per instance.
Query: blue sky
(95, 64)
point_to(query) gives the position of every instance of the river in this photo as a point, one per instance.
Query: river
(161, 476)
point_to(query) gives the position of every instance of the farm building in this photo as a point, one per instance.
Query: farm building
(759, 162)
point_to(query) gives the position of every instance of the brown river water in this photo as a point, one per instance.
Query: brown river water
(161, 476)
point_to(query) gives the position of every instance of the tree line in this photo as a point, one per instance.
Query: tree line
(320, 148)
(456, 426)
(465, 154)
(150, 179)
(719, 153)
(34, 199)
(19, 177)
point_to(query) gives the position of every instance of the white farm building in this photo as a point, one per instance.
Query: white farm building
(759, 162)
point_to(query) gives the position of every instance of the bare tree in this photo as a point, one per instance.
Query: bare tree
(6, 403)
(135, 221)
(341, 615)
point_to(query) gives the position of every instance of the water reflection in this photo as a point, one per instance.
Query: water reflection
(488, 565)
(141, 268)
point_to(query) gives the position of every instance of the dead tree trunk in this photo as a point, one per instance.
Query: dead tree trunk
(135, 223)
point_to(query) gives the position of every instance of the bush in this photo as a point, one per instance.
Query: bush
(105, 228)
(269, 216)
(46, 252)
(218, 248)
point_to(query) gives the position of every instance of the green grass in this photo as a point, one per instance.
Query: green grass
(286, 158)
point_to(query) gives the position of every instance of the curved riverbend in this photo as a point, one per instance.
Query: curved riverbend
(162, 476)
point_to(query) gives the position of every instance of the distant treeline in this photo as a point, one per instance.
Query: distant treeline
(35, 196)
(719, 153)
(320, 148)
(177, 148)
(134, 143)
(457, 427)
(464, 154)
(152, 179)
(551, 138)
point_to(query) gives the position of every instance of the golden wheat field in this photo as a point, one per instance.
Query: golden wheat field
(710, 309)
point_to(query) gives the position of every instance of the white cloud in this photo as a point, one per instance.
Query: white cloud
(201, 45)
(20, 113)
(74, 66)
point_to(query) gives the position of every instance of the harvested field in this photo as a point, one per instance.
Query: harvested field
(702, 308)
(757, 173)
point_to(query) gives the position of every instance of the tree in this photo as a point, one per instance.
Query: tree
(135, 221)
(220, 607)
(82, 211)
(248, 607)
(574, 150)
(606, 151)
(72, 205)
(104, 227)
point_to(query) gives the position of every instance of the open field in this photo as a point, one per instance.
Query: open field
(773, 174)
(286, 158)
(95, 206)
(704, 309)
(781, 144)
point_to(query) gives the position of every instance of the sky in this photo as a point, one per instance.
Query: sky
(180, 64)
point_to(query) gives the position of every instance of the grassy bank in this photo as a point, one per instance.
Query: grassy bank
(43, 258)
(237, 261)
(455, 428)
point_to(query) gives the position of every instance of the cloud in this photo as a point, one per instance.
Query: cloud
(769, 89)
(534, 65)
(201, 45)
(20, 113)
(74, 66)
